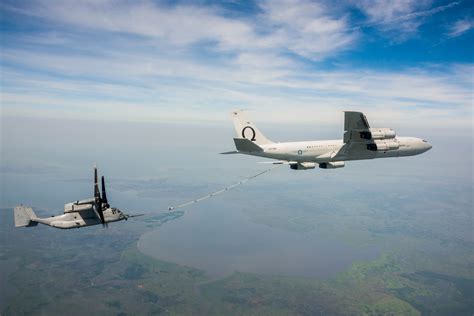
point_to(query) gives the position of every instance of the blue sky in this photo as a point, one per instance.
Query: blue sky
(287, 61)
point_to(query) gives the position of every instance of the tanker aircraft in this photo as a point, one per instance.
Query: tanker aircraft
(93, 211)
(360, 141)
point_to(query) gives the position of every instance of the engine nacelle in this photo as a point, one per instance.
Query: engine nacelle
(303, 166)
(383, 146)
(73, 207)
(378, 133)
(332, 165)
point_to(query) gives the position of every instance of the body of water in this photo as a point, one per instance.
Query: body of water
(221, 241)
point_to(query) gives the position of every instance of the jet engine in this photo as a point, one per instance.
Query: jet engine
(303, 166)
(383, 146)
(332, 165)
(378, 133)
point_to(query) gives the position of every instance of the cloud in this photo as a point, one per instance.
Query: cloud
(142, 61)
(399, 18)
(303, 27)
(460, 27)
(154, 88)
(307, 28)
(180, 25)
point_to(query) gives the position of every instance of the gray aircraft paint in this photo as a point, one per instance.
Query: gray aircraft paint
(93, 211)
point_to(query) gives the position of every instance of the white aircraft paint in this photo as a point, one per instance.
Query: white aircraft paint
(359, 142)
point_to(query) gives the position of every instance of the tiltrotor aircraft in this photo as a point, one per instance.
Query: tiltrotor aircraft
(93, 211)
(359, 142)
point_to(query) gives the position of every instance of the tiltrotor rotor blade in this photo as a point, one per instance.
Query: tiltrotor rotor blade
(104, 194)
(98, 201)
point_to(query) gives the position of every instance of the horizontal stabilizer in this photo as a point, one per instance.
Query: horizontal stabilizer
(24, 216)
(245, 145)
(230, 152)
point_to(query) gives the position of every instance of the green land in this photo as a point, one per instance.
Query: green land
(91, 271)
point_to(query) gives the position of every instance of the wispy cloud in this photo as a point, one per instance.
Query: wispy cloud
(460, 27)
(150, 61)
(302, 27)
(399, 18)
(307, 28)
(175, 88)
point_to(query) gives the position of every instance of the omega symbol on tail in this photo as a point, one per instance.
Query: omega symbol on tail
(253, 133)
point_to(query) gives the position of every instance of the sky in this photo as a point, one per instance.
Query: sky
(406, 62)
